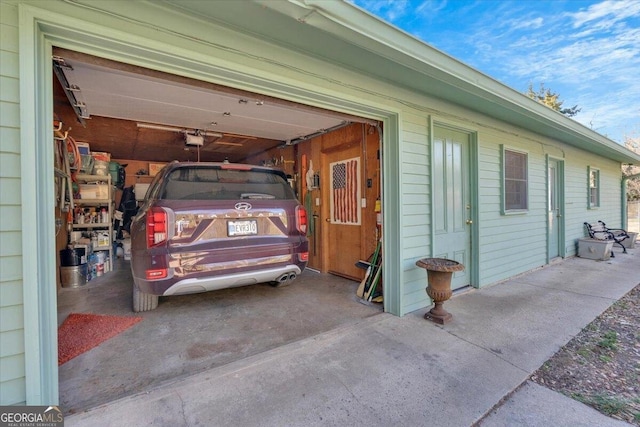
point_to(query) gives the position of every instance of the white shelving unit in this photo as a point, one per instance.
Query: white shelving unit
(104, 199)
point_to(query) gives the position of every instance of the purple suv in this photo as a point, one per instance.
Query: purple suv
(209, 226)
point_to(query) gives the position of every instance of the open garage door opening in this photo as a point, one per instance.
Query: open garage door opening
(143, 119)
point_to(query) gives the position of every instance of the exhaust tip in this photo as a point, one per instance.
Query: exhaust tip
(284, 279)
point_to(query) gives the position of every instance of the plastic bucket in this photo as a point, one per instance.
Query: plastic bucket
(73, 277)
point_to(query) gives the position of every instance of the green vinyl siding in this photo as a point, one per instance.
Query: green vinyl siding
(513, 244)
(416, 208)
(576, 201)
(510, 244)
(575, 198)
(12, 360)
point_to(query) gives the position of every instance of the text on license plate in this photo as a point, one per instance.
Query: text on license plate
(242, 228)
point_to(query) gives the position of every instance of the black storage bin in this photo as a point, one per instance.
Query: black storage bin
(72, 257)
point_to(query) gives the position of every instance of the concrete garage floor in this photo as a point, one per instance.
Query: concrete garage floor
(191, 333)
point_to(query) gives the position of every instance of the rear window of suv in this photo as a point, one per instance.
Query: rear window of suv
(210, 183)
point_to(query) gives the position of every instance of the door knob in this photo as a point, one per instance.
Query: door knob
(328, 219)
(469, 221)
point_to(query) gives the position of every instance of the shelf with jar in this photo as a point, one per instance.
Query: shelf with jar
(94, 210)
(93, 190)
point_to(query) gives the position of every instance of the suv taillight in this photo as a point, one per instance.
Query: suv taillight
(301, 219)
(156, 227)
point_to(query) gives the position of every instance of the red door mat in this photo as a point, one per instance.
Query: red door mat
(81, 332)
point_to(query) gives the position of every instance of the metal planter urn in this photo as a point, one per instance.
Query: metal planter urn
(439, 274)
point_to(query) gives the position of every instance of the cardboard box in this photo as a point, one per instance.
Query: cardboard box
(101, 156)
(154, 168)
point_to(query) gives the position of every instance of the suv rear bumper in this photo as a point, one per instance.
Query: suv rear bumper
(213, 283)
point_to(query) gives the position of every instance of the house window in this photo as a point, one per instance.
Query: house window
(516, 181)
(594, 188)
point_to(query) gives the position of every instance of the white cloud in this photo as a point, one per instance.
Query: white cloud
(591, 56)
(612, 10)
(596, 67)
(431, 6)
(534, 23)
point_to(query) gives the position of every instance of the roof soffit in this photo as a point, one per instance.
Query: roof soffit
(341, 33)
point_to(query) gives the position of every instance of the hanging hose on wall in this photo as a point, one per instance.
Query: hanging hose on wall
(69, 155)
(71, 148)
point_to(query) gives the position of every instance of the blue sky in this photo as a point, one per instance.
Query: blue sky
(586, 51)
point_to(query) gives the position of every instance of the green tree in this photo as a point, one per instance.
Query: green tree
(551, 99)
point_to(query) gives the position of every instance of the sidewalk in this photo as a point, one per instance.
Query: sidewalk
(387, 370)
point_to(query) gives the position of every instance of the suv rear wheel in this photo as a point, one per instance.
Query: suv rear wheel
(142, 301)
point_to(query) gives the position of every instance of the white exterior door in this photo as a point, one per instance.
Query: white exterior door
(554, 209)
(451, 201)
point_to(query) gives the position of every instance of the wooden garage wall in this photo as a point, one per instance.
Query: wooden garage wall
(12, 361)
(367, 137)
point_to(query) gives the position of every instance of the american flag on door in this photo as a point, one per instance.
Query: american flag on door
(345, 191)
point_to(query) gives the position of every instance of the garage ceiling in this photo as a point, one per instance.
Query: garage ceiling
(140, 114)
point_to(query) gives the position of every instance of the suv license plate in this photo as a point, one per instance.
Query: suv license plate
(242, 228)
